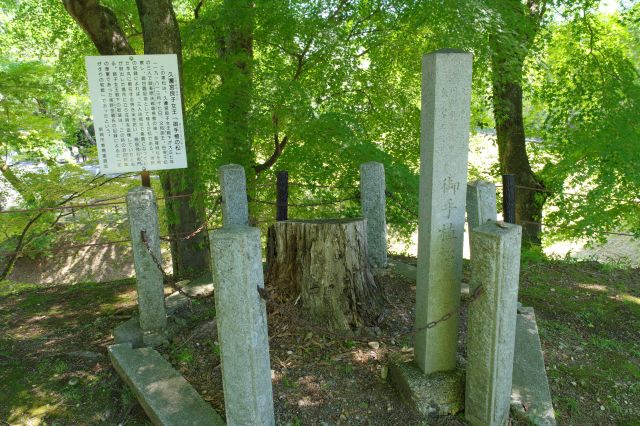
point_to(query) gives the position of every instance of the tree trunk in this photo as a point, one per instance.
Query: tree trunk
(324, 263)
(235, 46)
(512, 154)
(509, 50)
(190, 257)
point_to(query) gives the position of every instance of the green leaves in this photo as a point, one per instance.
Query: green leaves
(591, 90)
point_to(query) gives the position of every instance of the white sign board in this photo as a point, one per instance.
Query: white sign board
(137, 112)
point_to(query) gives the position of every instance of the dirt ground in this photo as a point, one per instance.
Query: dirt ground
(54, 369)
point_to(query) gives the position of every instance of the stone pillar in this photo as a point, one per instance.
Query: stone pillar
(444, 145)
(143, 217)
(481, 203)
(491, 319)
(242, 326)
(372, 201)
(233, 184)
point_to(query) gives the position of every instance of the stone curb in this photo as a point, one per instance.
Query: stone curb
(166, 397)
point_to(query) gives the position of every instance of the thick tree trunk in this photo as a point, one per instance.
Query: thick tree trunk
(324, 263)
(512, 154)
(235, 46)
(509, 53)
(190, 257)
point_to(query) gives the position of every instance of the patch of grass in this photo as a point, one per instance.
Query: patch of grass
(588, 331)
(185, 356)
(345, 369)
(350, 344)
(571, 405)
(39, 382)
(604, 343)
(10, 288)
(288, 383)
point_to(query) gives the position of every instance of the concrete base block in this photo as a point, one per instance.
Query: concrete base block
(438, 394)
(530, 394)
(200, 287)
(129, 332)
(167, 398)
(405, 270)
(175, 302)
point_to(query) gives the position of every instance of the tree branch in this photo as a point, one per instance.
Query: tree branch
(277, 151)
(101, 25)
(196, 11)
(8, 267)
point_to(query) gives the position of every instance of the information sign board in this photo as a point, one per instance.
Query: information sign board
(137, 112)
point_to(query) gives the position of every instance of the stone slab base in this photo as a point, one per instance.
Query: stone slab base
(130, 332)
(437, 394)
(530, 394)
(167, 398)
(200, 287)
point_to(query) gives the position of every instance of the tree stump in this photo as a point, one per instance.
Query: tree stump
(323, 263)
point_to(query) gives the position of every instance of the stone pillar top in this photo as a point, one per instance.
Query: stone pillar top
(233, 184)
(234, 230)
(448, 51)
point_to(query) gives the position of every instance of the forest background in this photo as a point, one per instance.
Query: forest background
(317, 88)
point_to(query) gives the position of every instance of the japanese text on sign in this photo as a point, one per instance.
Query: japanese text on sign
(137, 112)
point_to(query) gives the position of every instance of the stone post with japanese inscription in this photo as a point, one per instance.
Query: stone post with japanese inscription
(145, 236)
(444, 142)
(372, 201)
(233, 184)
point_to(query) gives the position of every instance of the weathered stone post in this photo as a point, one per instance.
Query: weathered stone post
(491, 319)
(145, 235)
(481, 203)
(242, 326)
(372, 201)
(233, 184)
(444, 145)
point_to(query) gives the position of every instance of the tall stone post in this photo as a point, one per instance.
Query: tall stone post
(444, 145)
(145, 235)
(481, 203)
(491, 319)
(372, 201)
(233, 184)
(242, 326)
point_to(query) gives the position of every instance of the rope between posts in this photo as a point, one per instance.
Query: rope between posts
(622, 234)
(63, 249)
(166, 238)
(570, 194)
(312, 185)
(101, 203)
(316, 204)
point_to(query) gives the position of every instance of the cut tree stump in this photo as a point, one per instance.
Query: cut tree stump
(322, 264)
